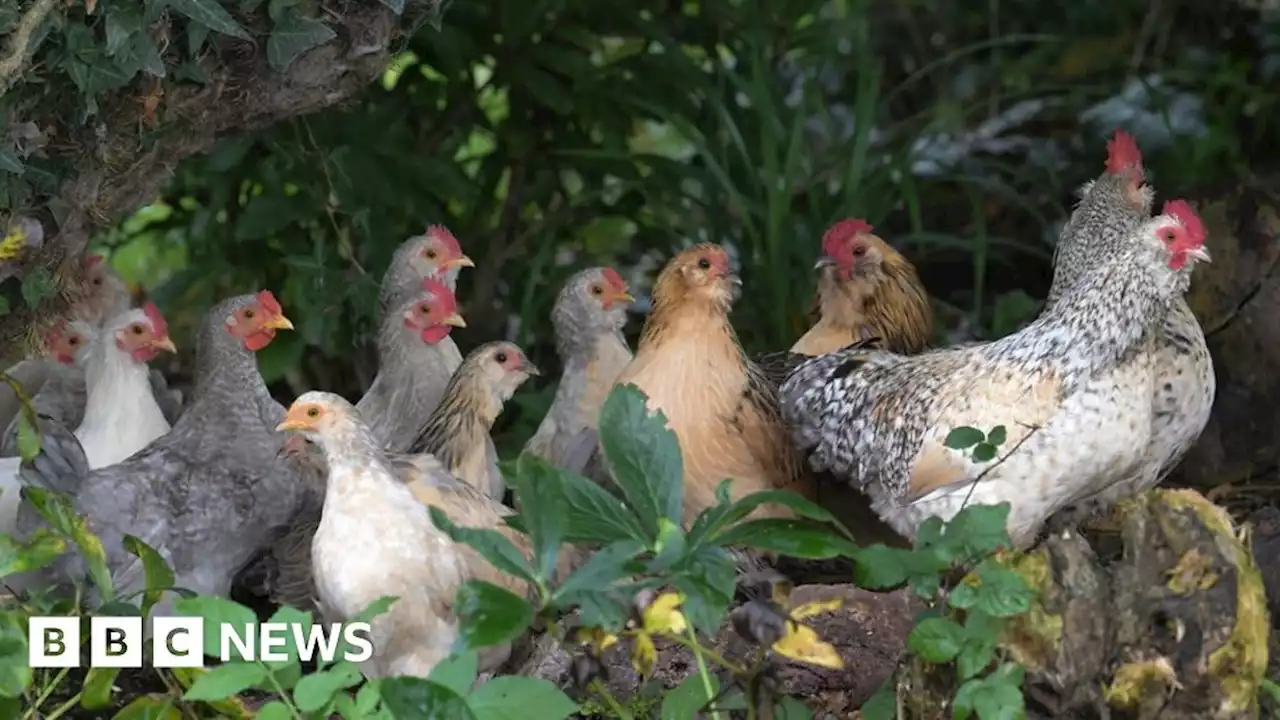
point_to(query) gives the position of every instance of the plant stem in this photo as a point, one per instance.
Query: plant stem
(609, 700)
(284, 697)
(57, 713)
(46, 692)
(696, 649)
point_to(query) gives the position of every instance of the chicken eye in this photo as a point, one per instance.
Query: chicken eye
(73, 341)
(430, 254)
(248, 314)
(596, 290)
(137, 330)
(859, 251)
(1169, 236)
(424, 309)
(501, 358)
(313, 412)
(704, 263)
(97, 282)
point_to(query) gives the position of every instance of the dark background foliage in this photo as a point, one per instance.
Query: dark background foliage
(554, 134)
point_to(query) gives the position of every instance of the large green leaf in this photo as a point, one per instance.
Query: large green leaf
(457, 672)
(216, 612)
(315, 690)
(495, 547)
(511, 697)
(542, 506)
(596, 515)
(226, 680)
(96, 692)
(410, 698)
(644, 457)
(156, 571)
(15, 672)
(489, 615)
(797, 538)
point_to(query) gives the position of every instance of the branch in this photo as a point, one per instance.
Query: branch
(19, 48)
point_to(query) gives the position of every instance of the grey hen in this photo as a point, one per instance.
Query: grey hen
(212, 492)
(435, 253)
(417, 357)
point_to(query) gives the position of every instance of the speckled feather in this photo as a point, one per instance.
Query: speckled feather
(211, 493)
(1080, 376)
(593, 352)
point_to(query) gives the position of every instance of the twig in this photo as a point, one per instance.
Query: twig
(696, 649)
(19, 43)
(609, 700)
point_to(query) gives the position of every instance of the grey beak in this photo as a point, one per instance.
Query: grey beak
(824, 262)
(1201, 254)
(531, 369)
(733, 279)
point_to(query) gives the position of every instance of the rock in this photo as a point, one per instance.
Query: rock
(1235, 299)
(869, 631)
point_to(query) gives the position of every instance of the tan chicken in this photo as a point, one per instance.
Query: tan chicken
(866, 289)
(1072, 390)
(375, 539)
(721, 406)
(458, 430)
(589, 315)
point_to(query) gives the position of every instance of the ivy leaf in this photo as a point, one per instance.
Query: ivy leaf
(964, 437)
(212, 15)
(122, 23)
(511, 697)
(291, 37)
(489, 615)
(998, 435)
(411, 698)
(644, 457)
(936, 639)
(226, 680)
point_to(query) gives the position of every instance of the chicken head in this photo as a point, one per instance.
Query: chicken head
(104, 293)
(435, 313)
(65, 341)
(256, 324)
(849, 247)
(1185, 240)
(437, 252)
(144, 334)
(606, 287)
(701, 272)
(312, 415)
(505, 368)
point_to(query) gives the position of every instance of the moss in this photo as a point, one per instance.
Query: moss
(1132, 682)
(1034, 638)
(1192, 573)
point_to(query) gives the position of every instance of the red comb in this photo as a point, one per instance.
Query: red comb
(837, 234)
(1182, 211)
(158, 323)
(441, 293)
(269, 302)
(612, 277)
(1122, 152)
(91, 261)
(441, 233)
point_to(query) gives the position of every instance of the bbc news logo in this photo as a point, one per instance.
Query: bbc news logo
(54, 642)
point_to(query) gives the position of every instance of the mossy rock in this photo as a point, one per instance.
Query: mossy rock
(1176, 627)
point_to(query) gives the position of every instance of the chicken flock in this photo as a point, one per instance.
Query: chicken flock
(321, 505)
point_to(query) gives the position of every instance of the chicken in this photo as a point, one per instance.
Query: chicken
(212, 492)
(866, 289)
(1110, 208)
(58, 375)
(435, 252)
(721, 406)
(457, 431)
(588, 316)
(374, 539)
(417, 357)
(1072, 389)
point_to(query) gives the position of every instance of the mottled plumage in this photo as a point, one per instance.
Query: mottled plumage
(588, 317)
(416, 359)
(1072, 390)
(436, 252)
(212, 492)
(721, 406)
(458, 430)
(866, 288)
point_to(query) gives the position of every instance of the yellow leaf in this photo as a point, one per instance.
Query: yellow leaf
(662, 616)
(802, 644)
(816, 607)
(643, 654)
(597, 638)
(11, 245)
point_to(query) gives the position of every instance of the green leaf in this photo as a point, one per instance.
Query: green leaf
(511, 697)
(984, 452)
(707, 585)
(542, 507)
(790, 708)
(38, 286)
(603, 568)
(710, 522)
(291, 37)
(976, 654)
(274, 710)
(216, 611)
(489, 615)
(28, 437)
(212, 15)
(315, 690)
(643, 456)
(15, 673)
(979, 530)
(158, 576)
(295, 618)
(883, 705)
(995, 697)
(929, 533)
(997, 435)
(38, 550)
(411, 698)
(226, 680)
(10, 163)
(58, 511)
(491, 544)
(1001, 592)
(964, 437)
(96, 692)
(457, 672)
(396, 6)
(150, 707)
(597, 515)
(688, 699)
(795, 538)
(879, 567)
(122, 24)
(936, 639)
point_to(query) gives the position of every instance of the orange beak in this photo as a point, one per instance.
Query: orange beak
(295, 419)
(165, 344)
(622, 296)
